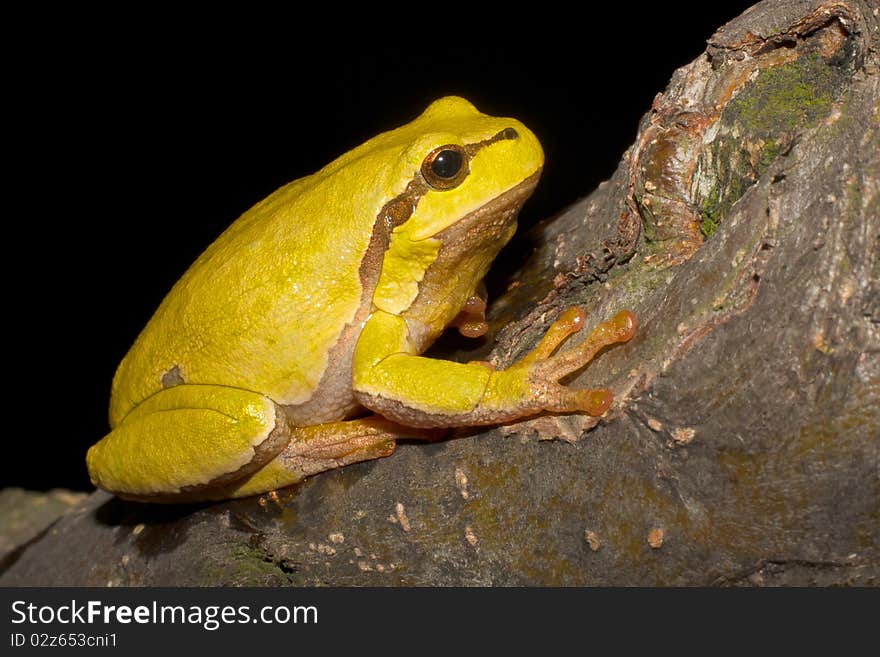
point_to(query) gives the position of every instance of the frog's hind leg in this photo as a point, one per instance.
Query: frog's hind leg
(186, 439)
(324, 447)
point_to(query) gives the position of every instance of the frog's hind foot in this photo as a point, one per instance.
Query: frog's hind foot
(327, 446)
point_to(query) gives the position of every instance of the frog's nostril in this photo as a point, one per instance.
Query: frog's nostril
(509, 133)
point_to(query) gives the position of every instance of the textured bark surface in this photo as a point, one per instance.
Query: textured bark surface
(26, 515)
(742, 228)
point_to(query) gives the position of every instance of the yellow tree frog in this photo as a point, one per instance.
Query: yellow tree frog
(292, 345)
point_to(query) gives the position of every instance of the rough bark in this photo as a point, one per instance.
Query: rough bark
(26, 515)
(743, 228)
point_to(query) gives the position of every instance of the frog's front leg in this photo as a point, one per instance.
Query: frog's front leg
(391, 379)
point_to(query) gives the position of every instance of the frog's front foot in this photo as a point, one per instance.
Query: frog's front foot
(539, 371)
(547, 369)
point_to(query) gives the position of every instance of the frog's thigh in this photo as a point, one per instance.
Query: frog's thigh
(188, 437)
(324, 447)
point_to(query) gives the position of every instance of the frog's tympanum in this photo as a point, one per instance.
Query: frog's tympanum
(292, 345)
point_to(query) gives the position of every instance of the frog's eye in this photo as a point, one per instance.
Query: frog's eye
(445, 167)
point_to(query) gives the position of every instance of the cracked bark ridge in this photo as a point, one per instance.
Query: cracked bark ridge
(743, 228)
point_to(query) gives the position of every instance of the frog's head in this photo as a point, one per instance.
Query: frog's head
(463, 178)
(465, 162)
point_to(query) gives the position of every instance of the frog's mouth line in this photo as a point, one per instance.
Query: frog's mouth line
(400, 209)
(491, 219)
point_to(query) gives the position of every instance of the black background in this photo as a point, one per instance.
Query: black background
(132, 153)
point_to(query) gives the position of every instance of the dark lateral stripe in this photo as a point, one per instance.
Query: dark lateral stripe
(501, 135)
(401, 208)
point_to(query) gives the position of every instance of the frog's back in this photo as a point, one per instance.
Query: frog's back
(261, 308)
(268, 304)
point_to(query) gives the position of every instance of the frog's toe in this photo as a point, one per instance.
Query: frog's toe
(623, 326)
(471, 320)
(569, 322)
(618, 329)
(561, 399)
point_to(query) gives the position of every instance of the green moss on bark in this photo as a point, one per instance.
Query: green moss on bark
(759, 125)
(785, 98)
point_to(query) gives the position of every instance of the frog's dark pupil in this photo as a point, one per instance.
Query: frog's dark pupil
(447, 164)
